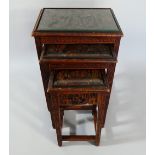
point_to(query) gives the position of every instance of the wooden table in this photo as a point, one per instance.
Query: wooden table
(77, 38)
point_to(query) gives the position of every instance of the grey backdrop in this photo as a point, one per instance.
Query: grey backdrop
(30, 126)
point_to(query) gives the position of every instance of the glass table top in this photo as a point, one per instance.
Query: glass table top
(78, 20)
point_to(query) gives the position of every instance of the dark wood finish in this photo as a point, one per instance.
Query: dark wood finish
(78, 138)
(78, 51)
(94, 113)
(49, 42)
(78, 107)
(74, 98)
(100, 117)
(81, 82)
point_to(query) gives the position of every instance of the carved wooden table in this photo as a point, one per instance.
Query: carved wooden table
(73, 47)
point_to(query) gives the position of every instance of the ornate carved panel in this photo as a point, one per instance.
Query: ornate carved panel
(77, 99)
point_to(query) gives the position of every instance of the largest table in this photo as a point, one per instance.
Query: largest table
(91, 27)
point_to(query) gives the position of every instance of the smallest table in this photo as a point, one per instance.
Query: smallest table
(78, 90)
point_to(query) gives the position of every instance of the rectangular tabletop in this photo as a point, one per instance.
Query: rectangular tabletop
(77, 20)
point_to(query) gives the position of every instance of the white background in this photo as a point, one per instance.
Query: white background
(30, 125)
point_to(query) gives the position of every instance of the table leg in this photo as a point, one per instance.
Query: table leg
(110, 77)
(94, 113)
(100, 117)
(52, 119)
(58, 127)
